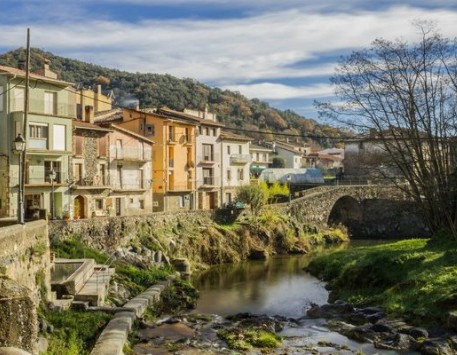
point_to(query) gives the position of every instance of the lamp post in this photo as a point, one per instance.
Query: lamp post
(289, 177)
(19, 147)
(52, 176)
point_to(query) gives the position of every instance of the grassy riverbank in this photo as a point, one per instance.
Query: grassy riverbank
(415, 279)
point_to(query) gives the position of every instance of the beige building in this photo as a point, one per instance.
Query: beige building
(48, 135)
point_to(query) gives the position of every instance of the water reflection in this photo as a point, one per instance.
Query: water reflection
(277, 286)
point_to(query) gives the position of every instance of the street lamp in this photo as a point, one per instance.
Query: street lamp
(52, 176)
(289, 177)
(19, 147)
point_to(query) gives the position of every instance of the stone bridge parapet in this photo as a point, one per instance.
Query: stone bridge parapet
(366, 210)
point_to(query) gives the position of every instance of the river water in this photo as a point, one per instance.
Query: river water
(277, 286)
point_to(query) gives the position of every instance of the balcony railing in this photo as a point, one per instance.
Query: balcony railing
(95, 181)
(208, 158)
(133, 186)
(240, 159)
(132, 154)
(37, 108)
(180, 186)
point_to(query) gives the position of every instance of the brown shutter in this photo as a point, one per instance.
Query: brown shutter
(79, 143)
(102, 147)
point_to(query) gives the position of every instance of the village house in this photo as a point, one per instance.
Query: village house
(48, 136)
(173, 158)
(208, 158)
(235, 162)
(260, 159)
(292, 153)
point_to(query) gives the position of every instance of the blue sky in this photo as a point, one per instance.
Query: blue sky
(282, 52)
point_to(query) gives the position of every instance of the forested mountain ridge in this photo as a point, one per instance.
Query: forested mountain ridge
(155, 90)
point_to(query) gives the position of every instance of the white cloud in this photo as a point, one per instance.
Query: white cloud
(229, 52)
(273, 91)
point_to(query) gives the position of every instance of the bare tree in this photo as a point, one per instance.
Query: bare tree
(407, 93)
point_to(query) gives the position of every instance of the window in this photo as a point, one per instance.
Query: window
(18, 95)
(186, 135)
(171, 133)
(102, 147)
(52, 165)
(141, 203)
(50, 103)
(141, 178)
(182, 201)
(119, 176)
(58, 137)
(38, 135)
(207, 176)
(171, 156)
(78, 173)
(229, 174)
(240, 174)
(240, 149)
(228, 150)
(214, 132)
(206, 131)
(99, 204)
(102, 171)
(208, 152)
(79, 144)
(228, 197)
(150, 130)
(119, 154)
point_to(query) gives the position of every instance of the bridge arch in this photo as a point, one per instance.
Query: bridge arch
(345, 211)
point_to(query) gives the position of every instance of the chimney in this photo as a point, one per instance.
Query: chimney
(46, 71)
(99, 89)
(89, 114)
(21, 64)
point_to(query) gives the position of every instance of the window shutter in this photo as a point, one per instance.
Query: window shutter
(102, 147)
(79, 143)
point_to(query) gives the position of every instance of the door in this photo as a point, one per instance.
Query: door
(78, 209)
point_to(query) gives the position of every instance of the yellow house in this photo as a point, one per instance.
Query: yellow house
(173, 160)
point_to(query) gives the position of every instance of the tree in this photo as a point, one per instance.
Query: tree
(278, 162)
(253, 195)
(407, 94)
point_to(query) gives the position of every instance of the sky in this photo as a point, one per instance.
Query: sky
(282, 52)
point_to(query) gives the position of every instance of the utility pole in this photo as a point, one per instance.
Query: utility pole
(22, 160)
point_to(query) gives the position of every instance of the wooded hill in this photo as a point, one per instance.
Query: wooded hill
(156, 90)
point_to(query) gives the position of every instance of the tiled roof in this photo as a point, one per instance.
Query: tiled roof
(108, 116)
(21, 73)
(136, 135)
(234, 137)
(89, 126)
(188, 116)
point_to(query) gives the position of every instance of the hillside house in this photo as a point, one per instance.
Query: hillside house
(235, 164)
(48, 135)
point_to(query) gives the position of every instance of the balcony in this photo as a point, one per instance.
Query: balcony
(132, 154)
(208, 159)
(209, 182)
(240, 159)
(90, 183)
(132, 186)
(180, 186)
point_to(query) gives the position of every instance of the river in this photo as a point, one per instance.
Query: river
(277, 286)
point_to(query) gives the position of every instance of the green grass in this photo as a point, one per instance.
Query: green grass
(137, 280)
(413, 278)
(76, 332)
(75, 249)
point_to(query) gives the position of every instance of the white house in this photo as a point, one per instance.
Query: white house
(235, 162)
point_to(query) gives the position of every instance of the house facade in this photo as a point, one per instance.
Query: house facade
(207, 156)
(173, 158)
(291, 154)
(48, 135)
(260, 159)
(235, 162)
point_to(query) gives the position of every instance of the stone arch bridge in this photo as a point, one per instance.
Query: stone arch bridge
(368, 211)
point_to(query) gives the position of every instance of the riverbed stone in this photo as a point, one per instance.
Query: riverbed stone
(418, 333)
(438, 346)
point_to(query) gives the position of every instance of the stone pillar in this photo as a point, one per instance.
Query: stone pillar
(18, 318)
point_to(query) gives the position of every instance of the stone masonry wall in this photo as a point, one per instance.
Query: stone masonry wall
(24, 280)
(112, 232)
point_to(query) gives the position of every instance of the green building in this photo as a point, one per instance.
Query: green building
(48, 138)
